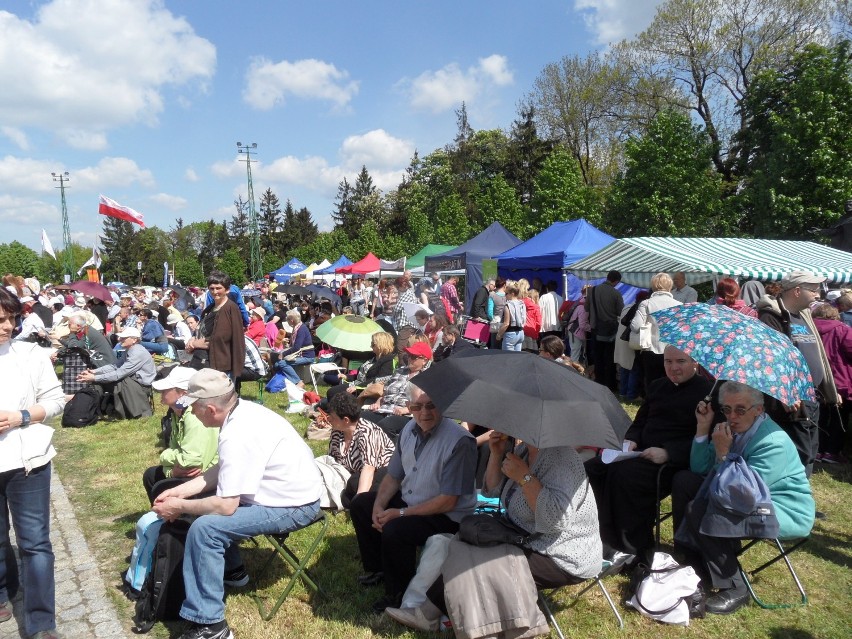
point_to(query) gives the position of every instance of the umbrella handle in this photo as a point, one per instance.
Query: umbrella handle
(710, 394)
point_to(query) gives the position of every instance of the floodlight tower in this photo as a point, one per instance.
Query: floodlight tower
(256, 266)
(67, 256)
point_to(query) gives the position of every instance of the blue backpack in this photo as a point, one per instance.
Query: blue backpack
(147, 532)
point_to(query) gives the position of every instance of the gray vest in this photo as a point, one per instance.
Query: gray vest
(422, 479)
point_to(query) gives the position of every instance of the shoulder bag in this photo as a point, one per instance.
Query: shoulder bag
(667, 591)
(487, 529)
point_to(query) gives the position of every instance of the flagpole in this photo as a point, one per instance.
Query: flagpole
(67, 257)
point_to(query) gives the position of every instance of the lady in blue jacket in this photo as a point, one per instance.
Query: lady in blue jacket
(769, 452)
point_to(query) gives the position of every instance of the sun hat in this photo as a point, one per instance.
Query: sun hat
(130, 331)
(178, 378)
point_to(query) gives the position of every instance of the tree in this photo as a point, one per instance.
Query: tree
(53, 270)
(234, 265)
(451, 223)
(20, 260)
(239, 229)
(270, 223)
(560, 195)
(498, 202)
(526, 154)
(304, 226)
(152, 247)
(669, 186)
(343, 208)
(119, 261)
(798, 142)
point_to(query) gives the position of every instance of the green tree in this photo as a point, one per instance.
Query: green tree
(304, 227)
(53, 269)
(234, 265)
(560, 195)
(270, 223)
(188, 271)
(498, 202)
(669, 186)
(152, 246)
(451, 222)
(20, 260)
(798, 140)
(526, 154)
(289, 239)
(119, 261)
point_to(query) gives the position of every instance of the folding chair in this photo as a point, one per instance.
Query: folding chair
(299, 566)
(321, 369)
(594, 581)
(783, 553)
(661, 516)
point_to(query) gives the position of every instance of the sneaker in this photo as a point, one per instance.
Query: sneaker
(5, 611)
(236, 578)
(834, 458)
(214, 631)
(413, 618)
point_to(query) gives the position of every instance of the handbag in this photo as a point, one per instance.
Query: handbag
(487, 529)
(292, 357)
(667, 591)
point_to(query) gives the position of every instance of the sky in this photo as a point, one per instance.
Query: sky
(144, 101)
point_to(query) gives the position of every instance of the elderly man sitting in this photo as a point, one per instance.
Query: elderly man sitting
(266, 481)
(428, 489)
(81, 347)
(132, 379)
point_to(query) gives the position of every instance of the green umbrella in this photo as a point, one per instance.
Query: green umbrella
(349, 332)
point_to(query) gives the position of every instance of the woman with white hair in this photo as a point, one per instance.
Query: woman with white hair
(301, 343)
(661, 297)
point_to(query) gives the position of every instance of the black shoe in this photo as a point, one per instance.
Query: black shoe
(214, 631)
(371, 578)
(388, 601)
(726, 602)
(236, 578)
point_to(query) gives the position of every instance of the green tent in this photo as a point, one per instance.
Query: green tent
(418, 259)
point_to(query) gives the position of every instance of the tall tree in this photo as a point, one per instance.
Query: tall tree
(560, 195)
(343, 207)
(116, 241)
(20, 260)
(526, 154)
(356, 205)
(239, 229)
(669, 186)
(270, 223)
(290, 239)
(304, 226)
(799, 144)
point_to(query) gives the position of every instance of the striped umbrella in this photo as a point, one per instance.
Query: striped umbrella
(349, 332)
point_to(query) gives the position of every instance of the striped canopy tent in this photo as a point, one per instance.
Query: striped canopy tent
(638, 259)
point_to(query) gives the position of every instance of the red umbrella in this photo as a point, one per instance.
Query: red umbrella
(92, 289)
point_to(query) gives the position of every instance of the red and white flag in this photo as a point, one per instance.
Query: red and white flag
(111, 208)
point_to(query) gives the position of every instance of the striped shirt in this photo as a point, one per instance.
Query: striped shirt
(370, 446)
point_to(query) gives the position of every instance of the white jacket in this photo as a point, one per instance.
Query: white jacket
(657, 302)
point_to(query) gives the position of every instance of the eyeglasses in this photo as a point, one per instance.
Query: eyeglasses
(739, 411)
(417, 407)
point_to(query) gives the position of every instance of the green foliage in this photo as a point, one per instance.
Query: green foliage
(119, 261)
(188, 271)
(559, 193)
(669, 186)
(356, 206)
(20, 260)
(53, 269)
(497, 202)
(234, 265)
(270, 223)
(798, 142)
(451, 221)
(152, 246)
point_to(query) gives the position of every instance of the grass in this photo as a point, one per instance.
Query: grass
(101, 467)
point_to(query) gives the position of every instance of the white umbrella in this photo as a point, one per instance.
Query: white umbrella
(412, 309)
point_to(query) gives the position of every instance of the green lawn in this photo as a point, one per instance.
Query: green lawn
(101, 467)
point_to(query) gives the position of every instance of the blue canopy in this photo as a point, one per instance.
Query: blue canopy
(329, 270)
(283, 274)
(468, 257)
(546, 255)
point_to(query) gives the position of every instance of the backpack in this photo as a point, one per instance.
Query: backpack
(163, 591)
(84, 409)
(147, 532)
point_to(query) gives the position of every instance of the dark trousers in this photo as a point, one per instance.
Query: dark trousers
(652, 367)
(802, 427)
(394, 549)
(155, 481)
(626, 495)
(605, 365)
(713, 558)
(833, 426)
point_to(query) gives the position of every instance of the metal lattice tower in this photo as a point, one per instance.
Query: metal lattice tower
(256, 265)
(67, 255)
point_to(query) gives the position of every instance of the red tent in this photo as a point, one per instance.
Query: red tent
(368, 264)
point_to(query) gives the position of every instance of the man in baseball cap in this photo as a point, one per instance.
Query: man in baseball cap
(266, 481)
(192, 448)
(789, 313)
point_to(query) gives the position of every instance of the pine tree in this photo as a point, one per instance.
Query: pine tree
(116, 242)
(289, 240)
(270, 223)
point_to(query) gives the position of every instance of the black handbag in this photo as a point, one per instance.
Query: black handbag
(485, 529)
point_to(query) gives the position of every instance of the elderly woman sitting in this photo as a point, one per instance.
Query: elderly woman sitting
(769, 451)
(544, 491)
(626, 491)
(301, 345)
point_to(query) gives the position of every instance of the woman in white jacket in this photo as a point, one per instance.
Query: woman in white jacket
(30, 393)
(661, 297)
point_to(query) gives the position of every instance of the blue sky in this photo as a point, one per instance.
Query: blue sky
(144, 100)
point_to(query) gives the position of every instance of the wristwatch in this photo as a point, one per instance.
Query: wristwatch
(25, 418)
(402, 512)
(525, 480)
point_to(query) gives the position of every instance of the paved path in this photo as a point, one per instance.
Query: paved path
(83, 610)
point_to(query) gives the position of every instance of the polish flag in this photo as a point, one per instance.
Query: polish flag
(111, 208)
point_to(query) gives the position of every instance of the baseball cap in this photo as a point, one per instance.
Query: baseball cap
(130, 331)
(178, 377)
(419, 349)
(800, 278)
(208, 383)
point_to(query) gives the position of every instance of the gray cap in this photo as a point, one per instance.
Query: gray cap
(208, 383)
(800, 278)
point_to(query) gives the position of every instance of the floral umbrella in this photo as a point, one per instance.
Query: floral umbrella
(735, 347)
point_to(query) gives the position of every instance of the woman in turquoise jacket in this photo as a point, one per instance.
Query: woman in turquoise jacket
(769, 452)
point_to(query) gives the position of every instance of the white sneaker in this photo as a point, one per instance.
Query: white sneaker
(413, 618)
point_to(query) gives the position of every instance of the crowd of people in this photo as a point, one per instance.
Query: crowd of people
(239, 469)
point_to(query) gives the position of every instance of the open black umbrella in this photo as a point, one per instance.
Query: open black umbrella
(323, 291)
(542, 402)
(291, 289)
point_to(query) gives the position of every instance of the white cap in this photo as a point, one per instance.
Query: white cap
(178, 378)
(130, 331)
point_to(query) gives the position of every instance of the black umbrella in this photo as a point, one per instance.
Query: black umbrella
(324, 291)
(542, 402)
(291, 289)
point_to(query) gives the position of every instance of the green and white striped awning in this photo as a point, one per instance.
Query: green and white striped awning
(703, 259)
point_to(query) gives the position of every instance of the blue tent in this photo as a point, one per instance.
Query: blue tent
(546, 255)
(468, 257)
(283, 274)
(329, 270)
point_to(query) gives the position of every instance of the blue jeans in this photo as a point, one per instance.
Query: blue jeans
(211, 550)
(513, 340)
(155, 347)
(286, 368)
(27, 498)
(629, 381)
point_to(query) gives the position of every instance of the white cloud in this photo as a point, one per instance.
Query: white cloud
(112, 172)
(190, 175)
(170, 202)
(269, 83)
(375, 149)
(18, 137)
(25, 175)
(93, 66)
(451, 85)
(613, 20)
